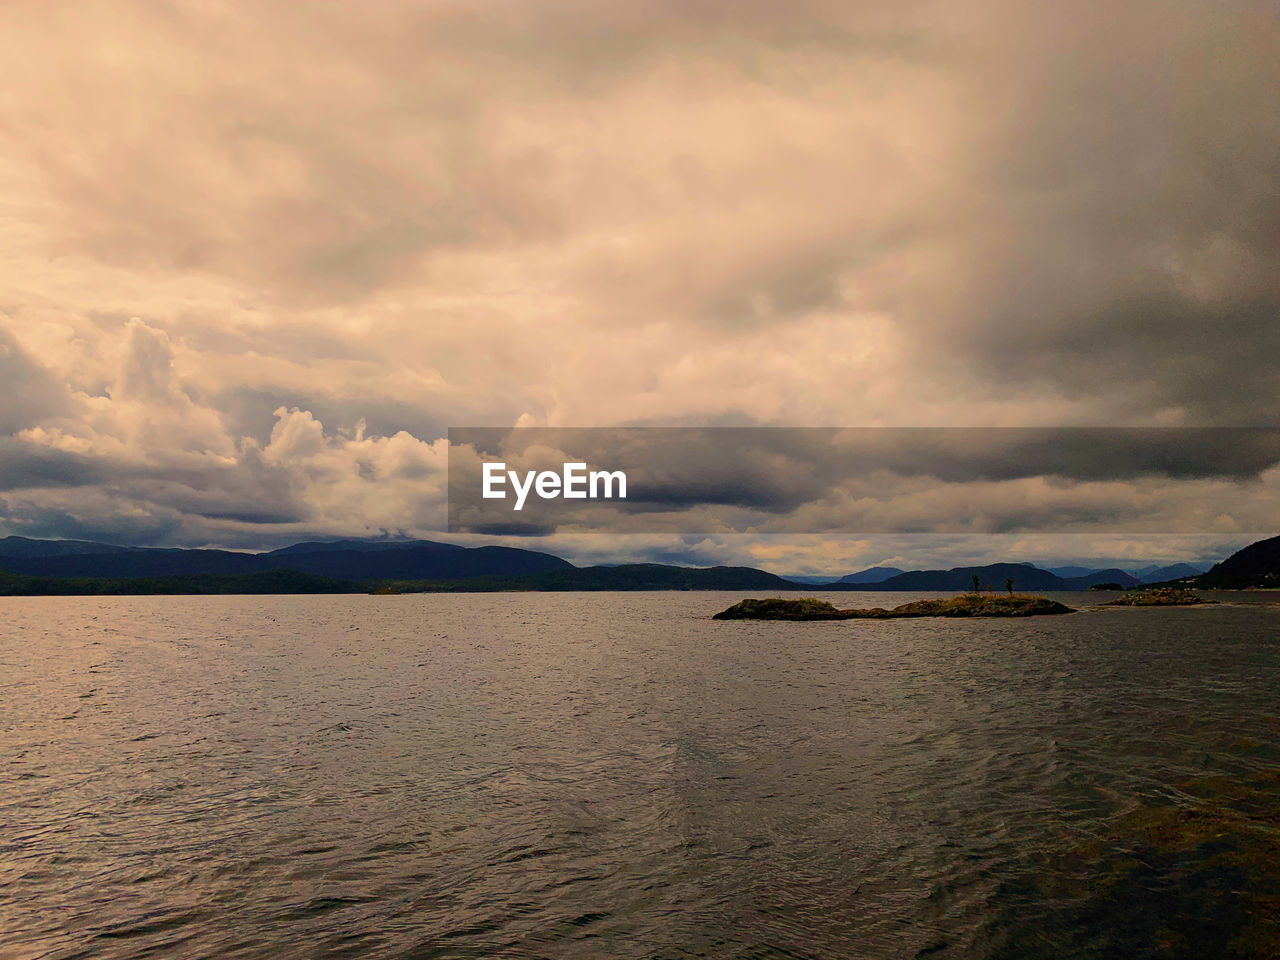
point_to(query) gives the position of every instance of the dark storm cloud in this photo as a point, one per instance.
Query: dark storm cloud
(1215, 361)
(138, 528)
(966, 454)
(1122, 227)
(251, 491)
(25, 465)
(30, 392)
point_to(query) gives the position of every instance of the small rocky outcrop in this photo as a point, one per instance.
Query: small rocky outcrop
(1159, 597)
(965, 605)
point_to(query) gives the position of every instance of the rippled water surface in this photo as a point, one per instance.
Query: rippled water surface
(616, 775)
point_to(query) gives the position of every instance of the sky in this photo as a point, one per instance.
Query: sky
(257, 258)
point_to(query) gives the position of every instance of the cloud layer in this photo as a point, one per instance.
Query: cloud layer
(260, 256)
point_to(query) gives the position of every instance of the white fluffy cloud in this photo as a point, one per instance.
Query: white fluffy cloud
(172, 466)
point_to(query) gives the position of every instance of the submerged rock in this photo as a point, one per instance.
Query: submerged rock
(1188, 871)
(1159, 597)
(966, 605)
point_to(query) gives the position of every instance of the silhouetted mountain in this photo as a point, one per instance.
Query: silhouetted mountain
(871, 575)
(137, 562)
(80, 566)
(344, 560)
(1109, 575)
(26, 547)
(423, 560)
(1257, 565)
(360, 546)
(1174, 571)
(1071, 571)
(1152, 573)
(1024, 576)
(639, 576)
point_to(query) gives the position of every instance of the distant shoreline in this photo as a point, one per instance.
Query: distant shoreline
(86, 568)
(695, 580)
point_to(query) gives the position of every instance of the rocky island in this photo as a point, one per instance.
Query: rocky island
(1159, 597)
(965, 605)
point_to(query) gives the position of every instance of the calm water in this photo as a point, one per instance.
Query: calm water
(616, 775)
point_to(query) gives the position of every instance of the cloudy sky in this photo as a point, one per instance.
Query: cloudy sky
(259, 256)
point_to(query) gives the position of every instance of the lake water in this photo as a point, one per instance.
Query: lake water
(617, 776)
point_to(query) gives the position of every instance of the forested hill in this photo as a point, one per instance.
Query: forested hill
(1257, 565)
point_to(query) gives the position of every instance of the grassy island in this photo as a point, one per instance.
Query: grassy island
(1159, 597)
(965, 605)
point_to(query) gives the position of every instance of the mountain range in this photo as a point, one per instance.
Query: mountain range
(1025, 576)
(84, 567)
(1257, 565)
(342, 559)
(1152, 573)
(30, 566)
(871, 575)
